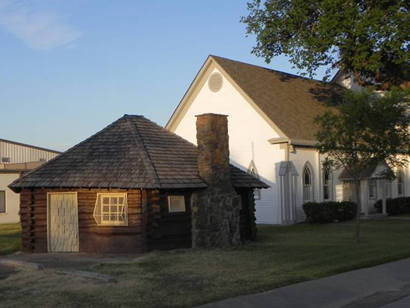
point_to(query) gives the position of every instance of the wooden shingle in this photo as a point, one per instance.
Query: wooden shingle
(132, 152)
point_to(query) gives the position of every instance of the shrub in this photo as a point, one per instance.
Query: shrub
(347, 210)
(396, 206)
(330, 211)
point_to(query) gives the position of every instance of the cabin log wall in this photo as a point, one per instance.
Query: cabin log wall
(168, 230)
(92, 237)
(247, 219)
(150, 225)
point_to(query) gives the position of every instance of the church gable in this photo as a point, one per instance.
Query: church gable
(213, 90)
(287, 103)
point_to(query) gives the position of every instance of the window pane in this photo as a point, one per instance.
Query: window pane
(176, 204)
(372, 189)
(2, 201)
(112, 211)
(325, 192)
(326, 177)
(399, 189)
(306, 175)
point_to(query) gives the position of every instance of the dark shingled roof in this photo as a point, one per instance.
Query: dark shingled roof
(369, 171)
(291, 102)
(132, 152)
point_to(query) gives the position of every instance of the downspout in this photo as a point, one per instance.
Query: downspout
(287, 151)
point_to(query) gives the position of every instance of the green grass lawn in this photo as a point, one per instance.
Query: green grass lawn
(10, 238)
(282, 255)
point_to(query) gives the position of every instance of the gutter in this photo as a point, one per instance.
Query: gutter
(294, 142)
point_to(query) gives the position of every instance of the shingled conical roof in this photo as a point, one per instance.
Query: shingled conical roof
(132, 152)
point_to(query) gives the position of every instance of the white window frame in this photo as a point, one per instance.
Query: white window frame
(170, 210)
(307, 188)
(99, 208)
(372, 183)
(328, 185)
(5, 202)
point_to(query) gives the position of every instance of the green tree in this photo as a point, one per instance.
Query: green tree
(366, 129)
(366, 38)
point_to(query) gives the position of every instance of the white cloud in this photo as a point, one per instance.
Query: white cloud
(38, 29)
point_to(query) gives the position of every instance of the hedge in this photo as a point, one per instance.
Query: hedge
(395, 206)
(330, 211)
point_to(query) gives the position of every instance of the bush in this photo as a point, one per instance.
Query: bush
(346, 210)
(330, 211)
(395, 206)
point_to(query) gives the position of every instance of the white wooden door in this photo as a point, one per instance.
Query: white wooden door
(63, 222)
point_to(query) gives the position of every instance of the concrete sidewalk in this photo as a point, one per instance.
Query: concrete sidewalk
(386, 285)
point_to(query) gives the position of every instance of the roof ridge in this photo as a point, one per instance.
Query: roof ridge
(271, 69)
(137, 134)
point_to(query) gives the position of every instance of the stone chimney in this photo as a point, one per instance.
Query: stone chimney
(213, 145)
(215, 210)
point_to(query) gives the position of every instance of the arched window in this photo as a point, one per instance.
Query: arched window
(307, 183)
(400, 182)
(327, 183)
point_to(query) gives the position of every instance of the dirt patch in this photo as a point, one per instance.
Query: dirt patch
(71, 261)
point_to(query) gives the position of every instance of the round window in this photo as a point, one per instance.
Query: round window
(215, 82)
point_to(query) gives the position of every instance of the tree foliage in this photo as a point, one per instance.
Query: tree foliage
(367, 38)
(366, 128)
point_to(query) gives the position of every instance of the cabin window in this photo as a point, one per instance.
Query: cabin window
(2, 201)
(111, 209)
(176, 204)
(400, 183)
(326, 183)
(372, 183)
(307, 184)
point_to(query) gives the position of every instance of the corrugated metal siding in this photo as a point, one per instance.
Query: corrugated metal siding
(22, 154)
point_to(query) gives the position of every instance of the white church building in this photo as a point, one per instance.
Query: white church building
(272, 135)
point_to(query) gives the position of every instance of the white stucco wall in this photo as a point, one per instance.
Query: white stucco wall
(248, 139)
(12, 199)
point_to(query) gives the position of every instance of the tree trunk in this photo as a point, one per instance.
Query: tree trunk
(358, 211)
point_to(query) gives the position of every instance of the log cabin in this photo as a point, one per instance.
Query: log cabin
(134, 187)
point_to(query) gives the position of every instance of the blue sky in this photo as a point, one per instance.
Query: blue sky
(69, 68)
